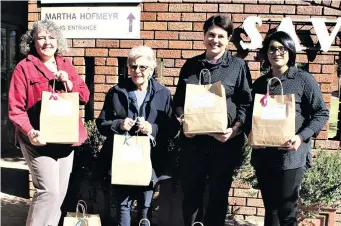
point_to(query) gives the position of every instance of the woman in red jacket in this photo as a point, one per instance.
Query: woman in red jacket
(49, 164)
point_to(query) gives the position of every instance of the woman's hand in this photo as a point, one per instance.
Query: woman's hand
(223, 137)
(35, 138)
(144, 127)
(63, 76)
(127, 124)
(293, 144)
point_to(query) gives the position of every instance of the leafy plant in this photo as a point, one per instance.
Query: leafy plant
(321, 185)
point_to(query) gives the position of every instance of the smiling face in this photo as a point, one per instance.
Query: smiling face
(140, 70)
(278, 55)
(216, 40)
(45, 44)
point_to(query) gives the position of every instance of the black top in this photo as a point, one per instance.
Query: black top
(236, 79)
(311, 116)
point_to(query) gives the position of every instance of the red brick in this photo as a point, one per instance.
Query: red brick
(176, 80)
(255, 202)
(323, 135)
(155, 7)
(96, 52)
(80, 69)
(99, 79)
(240, 185)
(111, 79)
(173, 72)
(282, 9)
(166, 35)
(33, 8)
(107, 43)
(302, 58)
(75, 52)
(98, 105)
(255, 74)
(205, 7)
(112, 62)
(328, 69)
(179, 63)
(180, 44)
(33, 17)
(99, 88)
(193, 16)
(244, 1)
(191, 35)
(331, 11)
(314, 68)
(198, 45)
(169, 53)
(237, 201)
(244, 210)
(156, 44)
(241, 17)
(244, 193)
(99, 97)
(100, 60)
(180, 26)
(198, 26)
(96, 114)
(326, 88)
(219, 1)
(118, 52)
(168, 81)
(260, 212)
(148, 16)
(147, 34)
(328, 144)
(155, 26)
(169, 16)
(190, 53)
(78, 61)
(181, 7)
(257, 8)
(326, 97)
(104, 70)
(253, 66)
(326, 78)
(259, 220)
(231, 8)
(324, 59)
(309, 10)
(172, 90)
(130, 43)
(168, 62)
(83, 43)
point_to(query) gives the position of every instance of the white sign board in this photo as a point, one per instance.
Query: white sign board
(96, 22)
(87, 1)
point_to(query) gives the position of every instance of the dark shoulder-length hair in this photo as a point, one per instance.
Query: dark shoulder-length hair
(221, 21)
(283, 38)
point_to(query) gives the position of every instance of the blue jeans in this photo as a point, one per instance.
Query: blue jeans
(125, 195)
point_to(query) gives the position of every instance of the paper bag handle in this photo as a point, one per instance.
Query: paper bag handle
(269, 83)
(144, 219)
(202, 74)
(83, 210)
(54, 85)
(197, 223)
(264, 100)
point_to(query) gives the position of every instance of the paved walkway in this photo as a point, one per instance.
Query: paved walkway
(13, 210)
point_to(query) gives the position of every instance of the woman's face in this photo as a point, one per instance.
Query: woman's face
(216, 40)
(140, 70)
(45, 44)
(278, 55)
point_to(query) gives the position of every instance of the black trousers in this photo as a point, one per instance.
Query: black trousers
(215, 168)
(280, 192)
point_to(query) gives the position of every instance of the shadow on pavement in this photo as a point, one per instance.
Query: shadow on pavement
(15, 182)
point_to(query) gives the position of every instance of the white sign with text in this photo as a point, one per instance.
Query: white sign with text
(96, 22)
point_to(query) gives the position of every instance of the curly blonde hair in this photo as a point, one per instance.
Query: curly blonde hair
(27, 40)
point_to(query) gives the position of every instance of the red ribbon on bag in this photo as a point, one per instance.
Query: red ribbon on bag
(264, 100)
(53, 96)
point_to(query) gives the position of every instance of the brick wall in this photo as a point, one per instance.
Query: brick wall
(173, 28)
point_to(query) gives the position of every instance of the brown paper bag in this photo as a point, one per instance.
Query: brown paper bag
(273, 119)
(131, 163)
(59, 117)
(205, 108)
(81, 219)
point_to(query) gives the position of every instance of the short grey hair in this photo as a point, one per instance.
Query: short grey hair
(142, 51)
(27, 40)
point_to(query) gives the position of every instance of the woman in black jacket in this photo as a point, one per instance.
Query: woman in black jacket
(139, 97)
(280, 170)
(213, 156)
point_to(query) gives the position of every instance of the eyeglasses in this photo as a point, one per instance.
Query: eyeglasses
(141, 67)
(281, 49)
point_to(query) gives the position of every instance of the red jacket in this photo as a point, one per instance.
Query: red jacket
(31, 77)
